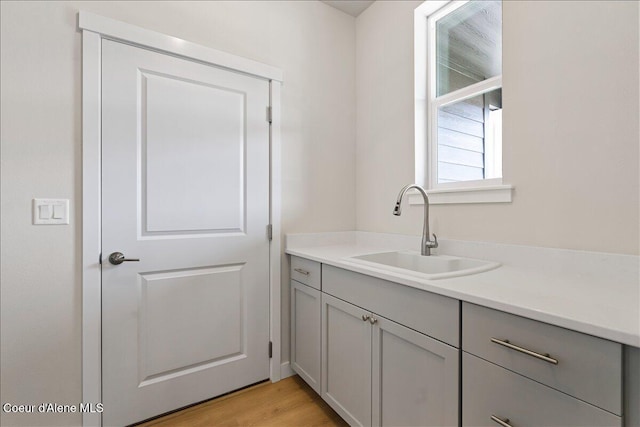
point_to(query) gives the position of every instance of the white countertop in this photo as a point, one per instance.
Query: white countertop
(589, 292)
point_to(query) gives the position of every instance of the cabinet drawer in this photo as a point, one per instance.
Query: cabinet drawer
(431, 314)
(588, 368)
(489, 390)
(305, 271)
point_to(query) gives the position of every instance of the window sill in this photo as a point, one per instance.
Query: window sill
(488, 194)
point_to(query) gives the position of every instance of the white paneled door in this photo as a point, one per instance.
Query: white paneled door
(185, 190)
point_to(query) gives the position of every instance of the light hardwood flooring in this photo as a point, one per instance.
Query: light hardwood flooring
(290, 402)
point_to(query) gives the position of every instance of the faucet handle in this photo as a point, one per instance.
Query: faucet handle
(433, 243)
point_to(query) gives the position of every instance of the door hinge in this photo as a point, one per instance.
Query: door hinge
(100, 258)
(269, 114)
(270, 232)
(270, 349)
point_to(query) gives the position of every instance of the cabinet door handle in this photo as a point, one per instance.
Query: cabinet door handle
(301, 271)
(546, 357)
(503, 423)
(365, 317)
(373, 320)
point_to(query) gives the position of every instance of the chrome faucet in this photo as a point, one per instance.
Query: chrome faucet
(427, 244)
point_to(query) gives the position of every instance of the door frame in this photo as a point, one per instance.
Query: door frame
(94, 29)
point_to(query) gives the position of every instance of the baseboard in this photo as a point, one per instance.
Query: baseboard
(286, 370)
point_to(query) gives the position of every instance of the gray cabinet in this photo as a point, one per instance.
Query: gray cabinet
(632, 387)
(533, 373)
(305, 333)
(378, 372)
(415, 378)
(492, 394)
(431, 314)
(346, 360)
(587, 367)
(384, 354)
(306, 271)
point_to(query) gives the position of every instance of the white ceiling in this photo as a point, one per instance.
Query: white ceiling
(352, 7)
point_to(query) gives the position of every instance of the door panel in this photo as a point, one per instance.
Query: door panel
(177, 306)
(209, 125)
(346, 360)
(185, 188)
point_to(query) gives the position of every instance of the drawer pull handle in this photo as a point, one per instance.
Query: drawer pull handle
(503, 423)
(546, 357)
(301, 271)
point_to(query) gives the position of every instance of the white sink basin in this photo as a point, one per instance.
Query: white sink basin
(428, 267)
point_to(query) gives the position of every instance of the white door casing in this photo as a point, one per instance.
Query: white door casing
(185, 185)
(95, 29)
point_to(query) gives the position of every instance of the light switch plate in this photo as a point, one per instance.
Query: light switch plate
(50, 211)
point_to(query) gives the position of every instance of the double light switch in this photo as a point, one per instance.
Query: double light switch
(51, 211)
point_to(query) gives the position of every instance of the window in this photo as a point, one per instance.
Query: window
(461, 103)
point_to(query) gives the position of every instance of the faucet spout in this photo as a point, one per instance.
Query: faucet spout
(427, 245)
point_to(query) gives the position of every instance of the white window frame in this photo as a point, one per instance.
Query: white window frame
(426, 107)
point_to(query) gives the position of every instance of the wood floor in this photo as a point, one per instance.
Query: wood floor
(290, 402)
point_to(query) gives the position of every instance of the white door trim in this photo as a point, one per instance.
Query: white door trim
(94, 29)
(131, 34)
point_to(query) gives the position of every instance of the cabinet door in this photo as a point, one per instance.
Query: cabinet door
(346, 360)
(306, 306)
(415, 378)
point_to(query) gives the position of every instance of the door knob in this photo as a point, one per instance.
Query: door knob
(118, 258)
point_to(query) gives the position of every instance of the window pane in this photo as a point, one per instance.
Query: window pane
(468, 45)
(470, 138)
